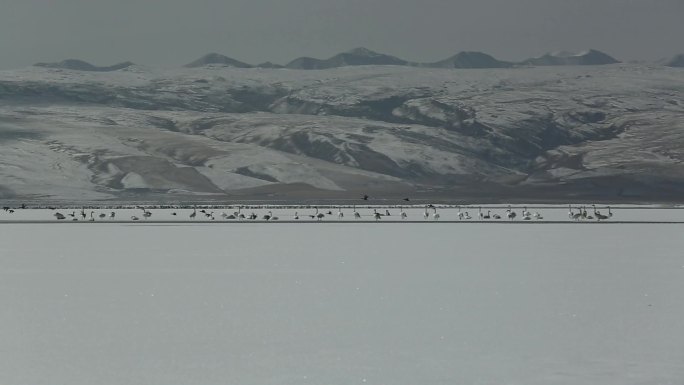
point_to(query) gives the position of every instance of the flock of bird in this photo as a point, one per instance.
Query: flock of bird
(583, 214)
(430, 213)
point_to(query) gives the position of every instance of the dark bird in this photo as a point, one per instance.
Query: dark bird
(365, 197)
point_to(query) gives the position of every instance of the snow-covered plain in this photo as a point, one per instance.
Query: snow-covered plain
(342, 303)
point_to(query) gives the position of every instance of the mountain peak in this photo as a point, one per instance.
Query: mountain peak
(356, 57)
(217, 59)
(587, 57)
(470, 59)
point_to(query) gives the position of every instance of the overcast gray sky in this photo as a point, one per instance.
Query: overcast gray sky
(173, 32)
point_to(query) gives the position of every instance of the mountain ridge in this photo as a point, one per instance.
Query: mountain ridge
(365, 57)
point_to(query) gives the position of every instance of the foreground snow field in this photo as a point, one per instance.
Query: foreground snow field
(341, 304)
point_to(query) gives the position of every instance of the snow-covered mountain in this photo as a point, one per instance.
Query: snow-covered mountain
(589, 57)
(470, 60)
(222, 133)
(355, 57)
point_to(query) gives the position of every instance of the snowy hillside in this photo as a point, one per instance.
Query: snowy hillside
(218, 132)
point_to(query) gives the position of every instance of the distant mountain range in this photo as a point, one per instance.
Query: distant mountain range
(364, 57)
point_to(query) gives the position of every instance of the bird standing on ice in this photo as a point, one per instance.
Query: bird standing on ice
(600, 217)
(510, 213)
(526, 213)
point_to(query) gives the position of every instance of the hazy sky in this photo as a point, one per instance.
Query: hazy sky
(174, 32)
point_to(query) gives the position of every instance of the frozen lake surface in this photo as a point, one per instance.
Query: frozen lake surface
(341, 303)
(547, 213)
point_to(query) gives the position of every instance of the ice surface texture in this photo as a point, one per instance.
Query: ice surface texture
(341, 304)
